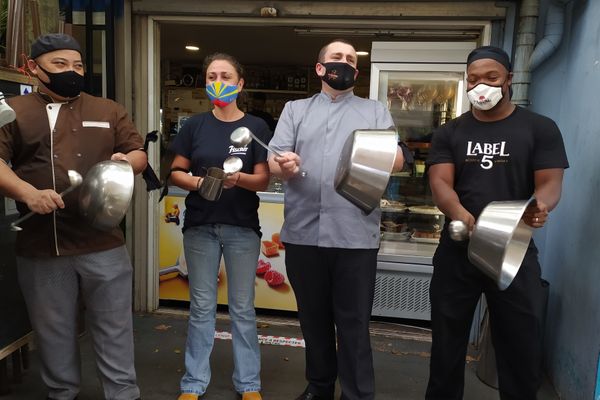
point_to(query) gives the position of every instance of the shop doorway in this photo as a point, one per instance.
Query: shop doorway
(279, 58)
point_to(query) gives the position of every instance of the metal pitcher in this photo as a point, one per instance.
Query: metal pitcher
(212, 184)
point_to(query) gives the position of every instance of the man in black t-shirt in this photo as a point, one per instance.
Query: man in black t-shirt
(495, 152)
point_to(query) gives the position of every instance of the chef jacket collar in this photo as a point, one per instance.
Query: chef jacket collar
(49, 99)
(338, 98)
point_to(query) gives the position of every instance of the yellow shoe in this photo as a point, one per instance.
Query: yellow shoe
(188, 396)
(251, 396)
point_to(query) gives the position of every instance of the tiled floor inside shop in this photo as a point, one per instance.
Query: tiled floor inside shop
(401, 356)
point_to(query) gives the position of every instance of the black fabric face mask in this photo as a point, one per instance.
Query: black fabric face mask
(339, 75)
(66, 84)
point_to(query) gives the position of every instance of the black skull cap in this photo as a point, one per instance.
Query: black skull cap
(495, 53)
(52, 42)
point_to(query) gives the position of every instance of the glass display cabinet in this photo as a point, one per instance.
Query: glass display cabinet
(423, 86)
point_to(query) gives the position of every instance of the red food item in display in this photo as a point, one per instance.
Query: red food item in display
(269, 249)
(274, 278)
(276, 239)
(263, 266)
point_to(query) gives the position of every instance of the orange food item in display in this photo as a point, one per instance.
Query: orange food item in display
(269, 249)
(276, 239)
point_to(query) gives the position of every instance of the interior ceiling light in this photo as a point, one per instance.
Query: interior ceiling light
(362, 53)
(192, 48)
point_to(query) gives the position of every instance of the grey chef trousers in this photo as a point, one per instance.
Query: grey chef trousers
(50, 287)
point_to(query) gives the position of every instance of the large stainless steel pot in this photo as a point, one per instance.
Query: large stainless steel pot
(500, 240)
(105, 194)
(365, 165)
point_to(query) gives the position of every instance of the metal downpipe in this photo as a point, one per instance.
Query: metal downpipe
(553, 33)
(525, 43)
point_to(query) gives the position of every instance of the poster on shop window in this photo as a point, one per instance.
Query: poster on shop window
(272, 286)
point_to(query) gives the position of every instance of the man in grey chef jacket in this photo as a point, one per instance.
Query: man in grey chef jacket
(331, 245)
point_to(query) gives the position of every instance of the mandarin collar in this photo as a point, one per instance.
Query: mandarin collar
(339, 98)
(46, 98)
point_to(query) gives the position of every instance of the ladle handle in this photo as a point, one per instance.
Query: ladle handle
(458, 231)
(272, 150)
(14, 226)
(266, 146)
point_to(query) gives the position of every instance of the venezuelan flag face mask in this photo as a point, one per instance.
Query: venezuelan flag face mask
(221, 94)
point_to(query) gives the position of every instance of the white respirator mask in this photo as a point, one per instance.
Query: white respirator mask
(484, 97)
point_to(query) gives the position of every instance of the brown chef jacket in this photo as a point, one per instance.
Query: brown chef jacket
(88, 130)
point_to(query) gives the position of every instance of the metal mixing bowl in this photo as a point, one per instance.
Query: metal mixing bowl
(105, 194)
(500, 240)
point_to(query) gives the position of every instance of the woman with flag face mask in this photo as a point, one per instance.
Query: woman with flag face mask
(225, 227)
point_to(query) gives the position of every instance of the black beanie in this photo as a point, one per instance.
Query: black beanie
(51, 42)
(495, 53)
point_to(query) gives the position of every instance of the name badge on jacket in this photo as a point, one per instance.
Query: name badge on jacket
(96, 124)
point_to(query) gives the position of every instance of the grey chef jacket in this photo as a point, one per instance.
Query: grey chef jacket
(316, 129)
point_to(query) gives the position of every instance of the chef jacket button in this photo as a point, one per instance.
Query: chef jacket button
(56, 156)
(70, 108)
(78, 154)
(74, 129)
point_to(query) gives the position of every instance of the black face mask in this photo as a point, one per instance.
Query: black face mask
(67, 84)
(339, 75)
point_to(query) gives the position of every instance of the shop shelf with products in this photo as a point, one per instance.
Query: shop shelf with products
(268, 89)
(293, 79)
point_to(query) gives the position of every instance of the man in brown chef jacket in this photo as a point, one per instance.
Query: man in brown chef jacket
(58, 254)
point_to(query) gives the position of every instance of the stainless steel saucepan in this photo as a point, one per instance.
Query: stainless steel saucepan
(499, 240)
(365, 166)
(105, 194)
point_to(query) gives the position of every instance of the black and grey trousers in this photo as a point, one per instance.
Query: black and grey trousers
(51, 287)
(516, 322)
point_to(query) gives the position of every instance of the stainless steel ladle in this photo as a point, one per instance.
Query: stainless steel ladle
(242, 136)
(75, 180)
(458, 231)
(232, 164)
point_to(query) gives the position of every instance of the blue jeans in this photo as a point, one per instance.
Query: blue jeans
(203, 246)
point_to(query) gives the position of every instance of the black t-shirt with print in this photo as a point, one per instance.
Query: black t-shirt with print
(496, 161)
(204, 140)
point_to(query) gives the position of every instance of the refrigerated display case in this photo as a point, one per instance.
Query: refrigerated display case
(422, 85)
